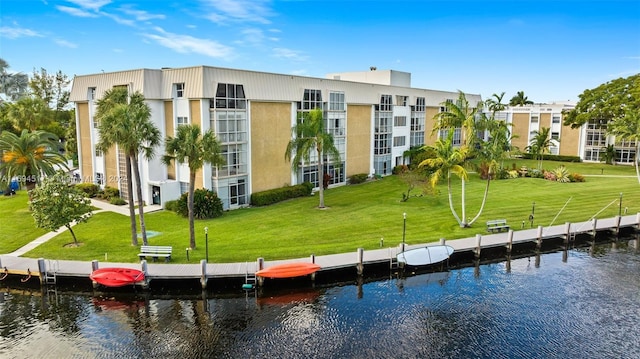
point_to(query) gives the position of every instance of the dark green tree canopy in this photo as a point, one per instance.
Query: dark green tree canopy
(607, 102)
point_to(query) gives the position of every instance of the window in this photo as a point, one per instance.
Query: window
(534, 119)
(420, 104)
(402, 100)
(399, 121)
(231, 126)
(625, 155)
(311, 99)
(99, 178)
(178, 89)
(555, 119)
(336, 101)
(98, 153)
(230, 96)
(399, 141)
(555, 136)
(184, 187)
(238, 192)
(91, 93)
(386, 103)
(181, 120)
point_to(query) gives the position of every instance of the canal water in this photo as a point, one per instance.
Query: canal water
(582, 303)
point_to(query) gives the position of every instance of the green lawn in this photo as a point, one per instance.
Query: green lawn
(17, 227)
(357, 216)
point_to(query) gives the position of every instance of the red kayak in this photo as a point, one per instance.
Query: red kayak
(288, 270)
(117, 277)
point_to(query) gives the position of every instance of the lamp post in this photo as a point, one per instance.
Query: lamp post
(531, 217)
(404, 228)
(206, 243)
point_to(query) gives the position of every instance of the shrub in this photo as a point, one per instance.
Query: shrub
(206, 204)
(276, 195)
(513, 174)
(399, 169)
(109, 192)
(89, 189)
(171, 205)
(561, 174)
(559, 158)
(536, 173)
(550, 176)
(117, 201)
(358, 178)
(576, 177)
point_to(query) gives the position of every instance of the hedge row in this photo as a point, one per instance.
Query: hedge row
(276, 195)
(549, 157)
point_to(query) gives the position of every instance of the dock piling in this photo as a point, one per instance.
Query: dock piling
(594, 231)
(203, 277)
(360, 262)
(509, 241)
(478, 245)
(145, 269)
(442, 241)
(539, 238)
(260, 266)
(567, 232)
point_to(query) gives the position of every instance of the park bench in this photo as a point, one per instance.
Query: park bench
(155, 252)
(497, 225)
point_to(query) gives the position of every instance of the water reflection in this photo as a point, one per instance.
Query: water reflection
(574, 303)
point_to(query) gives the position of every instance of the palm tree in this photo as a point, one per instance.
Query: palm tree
(309, 134)
(125, 121)
(29, 156)
(539, 144)
(628, 128)
(191, 147)
(449, 160)
(520, 100)
(495, 103)
(29, 113)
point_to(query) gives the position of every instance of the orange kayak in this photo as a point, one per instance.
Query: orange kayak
(288, 270)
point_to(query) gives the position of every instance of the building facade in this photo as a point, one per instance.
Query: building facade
(374, 116)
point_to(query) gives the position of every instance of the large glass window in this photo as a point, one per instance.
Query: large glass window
(336, 101)
(311, 99)
(230, 96)
(178, 89)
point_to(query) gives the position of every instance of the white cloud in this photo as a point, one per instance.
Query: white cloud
(187, 44)
(75, 11)
(94, 5)
(257, 11)
(141, 15)
(289, 54)
(18, 32)
(65, 43)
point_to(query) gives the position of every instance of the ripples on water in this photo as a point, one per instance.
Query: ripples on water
(586, 307)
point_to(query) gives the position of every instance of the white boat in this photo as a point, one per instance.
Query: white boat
(425, 255)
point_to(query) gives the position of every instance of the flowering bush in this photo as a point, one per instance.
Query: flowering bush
(550, 176)
(576, 177)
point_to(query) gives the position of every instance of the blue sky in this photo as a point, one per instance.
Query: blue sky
(551, 50)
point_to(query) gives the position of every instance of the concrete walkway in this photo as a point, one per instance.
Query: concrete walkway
(103, 207)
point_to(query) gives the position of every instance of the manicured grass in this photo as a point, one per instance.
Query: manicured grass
(357, 216)
(17, 226)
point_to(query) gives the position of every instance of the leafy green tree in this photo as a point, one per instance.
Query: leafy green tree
(124, 120)
(52, 89)
(449, 160)
(12, 85)
(195, 149)
(519, 99)
(628, 128)
(29, 113)
(539, 144)
(607, 102)
(309, 136)
(56, 203)
(29, 156)
(608, 154)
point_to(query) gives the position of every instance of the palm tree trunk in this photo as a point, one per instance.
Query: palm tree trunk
(453, 210)
(463, 223)
(636, 161)
(484, 200)
(320, 179)
(132, 205)
(192, 231)
(136, 172)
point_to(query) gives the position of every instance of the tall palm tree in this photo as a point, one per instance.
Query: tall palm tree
(495, 103)
(449, 160)
(628, 128)
(539, 144)
(520, 100)
(124, 120)
(29, 156)
(309, 134)
(195, 149)
(459, 115)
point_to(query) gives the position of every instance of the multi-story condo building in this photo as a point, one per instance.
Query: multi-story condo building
(374, 116)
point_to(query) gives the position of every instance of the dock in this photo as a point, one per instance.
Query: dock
(51, 271)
